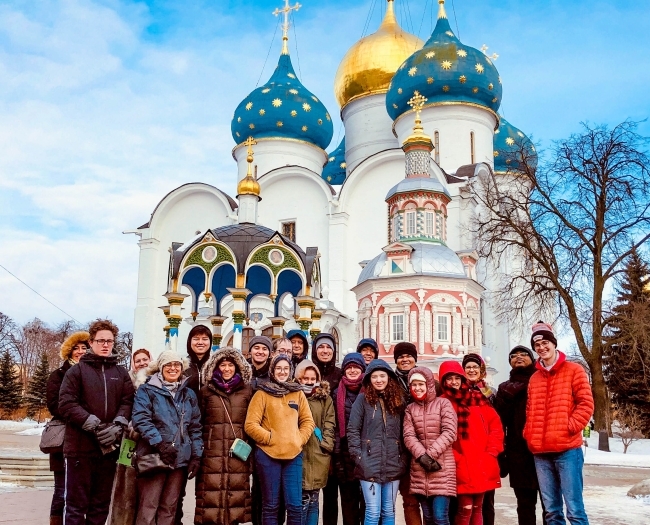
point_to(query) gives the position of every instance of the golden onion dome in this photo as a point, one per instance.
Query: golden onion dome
(369, 65)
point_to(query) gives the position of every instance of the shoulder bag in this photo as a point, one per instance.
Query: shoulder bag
(239, 448)
(52, 436)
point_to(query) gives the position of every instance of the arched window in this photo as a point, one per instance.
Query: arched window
(411, 220)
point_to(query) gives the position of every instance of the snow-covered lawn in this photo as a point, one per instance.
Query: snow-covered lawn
(19, 426)
(638, 453)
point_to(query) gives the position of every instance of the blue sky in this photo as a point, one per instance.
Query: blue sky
(105, 106)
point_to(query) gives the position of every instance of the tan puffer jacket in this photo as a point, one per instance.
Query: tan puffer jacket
(430, 428)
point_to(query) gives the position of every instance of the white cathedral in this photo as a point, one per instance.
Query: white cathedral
(370, 240)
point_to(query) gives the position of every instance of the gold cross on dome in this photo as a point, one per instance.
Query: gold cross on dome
(249, 143)
(417, 102)
(285, 24)
(484, 48)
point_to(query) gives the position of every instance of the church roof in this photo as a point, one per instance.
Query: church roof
(445, 71)
(283, 108)
(417, 183)
(508, 141)
(334, 171)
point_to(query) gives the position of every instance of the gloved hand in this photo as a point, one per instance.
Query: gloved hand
(319, 434)
(110, 434)
(193, 467)
(168, 453)
(428, 463)
(91, 423)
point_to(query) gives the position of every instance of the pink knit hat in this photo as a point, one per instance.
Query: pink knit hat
(542, 332)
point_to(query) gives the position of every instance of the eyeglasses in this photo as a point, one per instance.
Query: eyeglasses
(519, 354)
(472, 368)
(103, 342)
(282, 370)
(172, 365)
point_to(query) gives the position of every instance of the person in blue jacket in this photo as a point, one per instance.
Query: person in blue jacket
(166, 414)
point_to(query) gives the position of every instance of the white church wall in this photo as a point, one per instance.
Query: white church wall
(367, 129)
(454, 124)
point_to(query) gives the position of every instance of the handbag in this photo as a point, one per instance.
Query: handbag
(239, 448)
(151, 463)
(52, 437)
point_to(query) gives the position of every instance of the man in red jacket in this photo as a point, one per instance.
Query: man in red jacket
(559, 406)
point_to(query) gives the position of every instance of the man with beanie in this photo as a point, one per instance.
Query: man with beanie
(199, 344)
(559, 406)
(299, 346)
(517, 460)
(369, 349)
(260, 348)
(406, 357)
(95, 400)
(323, 355)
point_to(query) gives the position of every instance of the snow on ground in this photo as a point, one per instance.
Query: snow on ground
(8, 487)
(19, 425)
(36, 431)
(638, 453)
(611, 505)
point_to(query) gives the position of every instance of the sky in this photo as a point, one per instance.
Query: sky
(106, 106)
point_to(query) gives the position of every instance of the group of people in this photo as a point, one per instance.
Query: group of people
(264, 435)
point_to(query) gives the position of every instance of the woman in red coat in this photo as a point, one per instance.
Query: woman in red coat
(479, 442)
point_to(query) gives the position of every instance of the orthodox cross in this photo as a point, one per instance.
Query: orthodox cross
(286, 10)
(417, 102)
(484, 48)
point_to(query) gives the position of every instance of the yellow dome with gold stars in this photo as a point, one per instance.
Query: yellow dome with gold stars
(369, 65)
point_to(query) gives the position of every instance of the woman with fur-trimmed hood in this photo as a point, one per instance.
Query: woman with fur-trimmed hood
(222, 485)
(71, 351)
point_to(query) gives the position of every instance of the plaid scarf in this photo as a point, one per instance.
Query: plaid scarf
(462, 399)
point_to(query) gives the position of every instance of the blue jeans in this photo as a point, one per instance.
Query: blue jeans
(560, 474)
(435, 509)
(380, 502)
(273, 475)
(310, 507)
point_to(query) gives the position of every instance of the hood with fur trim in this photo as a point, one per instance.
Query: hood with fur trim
(230, 353)
(72, 341)
(321, 392)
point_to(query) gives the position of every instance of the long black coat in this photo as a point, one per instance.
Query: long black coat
(97, 386)
(510, 404)
(376, 446)
(344, 465)
(57, 462)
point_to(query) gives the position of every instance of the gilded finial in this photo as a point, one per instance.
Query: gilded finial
(249, 185)
(441, 9)
(285, 24)
(418, 136)
(484, 49)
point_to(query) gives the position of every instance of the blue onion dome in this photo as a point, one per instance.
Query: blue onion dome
(334, 171)
(508, 143)
(283, 108)
(445, 71)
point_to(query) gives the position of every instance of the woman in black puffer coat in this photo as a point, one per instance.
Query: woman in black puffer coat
(375, 441)
(344, 396)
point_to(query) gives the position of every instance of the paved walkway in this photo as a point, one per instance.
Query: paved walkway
(605, 495)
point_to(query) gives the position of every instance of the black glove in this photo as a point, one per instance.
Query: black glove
(168, 453)
(193, 467)
(109, 434)
(428, 463)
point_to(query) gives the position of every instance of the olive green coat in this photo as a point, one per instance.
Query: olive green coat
(316, 454)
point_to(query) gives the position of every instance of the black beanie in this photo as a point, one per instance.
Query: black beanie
(542, 332)
(405, 348)
(522, 348)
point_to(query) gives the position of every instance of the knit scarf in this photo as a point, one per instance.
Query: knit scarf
(276, 389)
(346, 385)
(403, 379)
(309, 389)
(462, 399)
(172, 387)
(222, 384)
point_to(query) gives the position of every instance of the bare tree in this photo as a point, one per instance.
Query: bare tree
(8, 329)
(630, 423)
(573, 221)
(32, 340)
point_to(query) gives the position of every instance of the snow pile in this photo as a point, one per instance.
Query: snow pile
(638, 453)
(36, 431)
(19, 425)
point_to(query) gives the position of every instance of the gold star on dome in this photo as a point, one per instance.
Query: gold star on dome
(507, 161)
(237, 133)
(291, 75)
(293, 112)
(266, 90)
(249, 106)
(304, 128)
(499, 80)
(399, 91)
(461, 53)
(474, 90)
(520, 134)
(293, 91)
(279, 123)
(497, 131)
(490, 86)
(494, 100)
(306, 107)
(327, 116)
(276, 102)
(449, 33)
(262, 112)
(462, 79)
(320, 121)
(496, 153)
(413, 71)
(430, 80)
(251, 125)
(332, 159)
(314, 98)
(446, 64)
(430, 54)
(445, 88)
(343, 165)
(394, 105)
(479, 68)
(510, 141)
(238, 119)
(329, 178)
